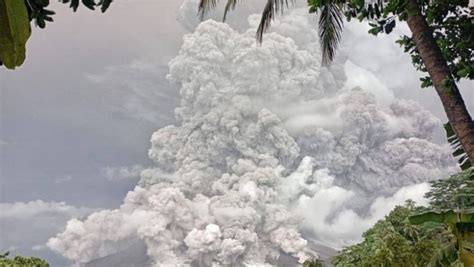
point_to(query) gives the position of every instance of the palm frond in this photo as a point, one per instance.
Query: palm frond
(330, 28)
(230, 5)
(205, 6)
(268, 14)
(458, 151)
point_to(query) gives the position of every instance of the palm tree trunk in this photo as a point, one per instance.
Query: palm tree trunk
(438, 70)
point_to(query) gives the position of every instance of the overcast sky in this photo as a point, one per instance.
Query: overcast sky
(65, 136)
(58, 127)
(77, 117)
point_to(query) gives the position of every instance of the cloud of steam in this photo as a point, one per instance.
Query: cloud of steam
(267, 144)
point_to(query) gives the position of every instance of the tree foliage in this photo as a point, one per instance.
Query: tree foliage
(394, 242)
(452, 204)
(18, 261)
(313, 263)
(454, 192)
(38, 12)
(420, 236)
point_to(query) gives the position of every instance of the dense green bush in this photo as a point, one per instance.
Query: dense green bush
(394, 242)
(421, 236)
(20, 261)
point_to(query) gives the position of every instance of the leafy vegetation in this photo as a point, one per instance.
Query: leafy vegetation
(454, 192)
(38, 12)
(435, 236)
(394, 242)
(451, 203)
(18, 261)
(313, 263)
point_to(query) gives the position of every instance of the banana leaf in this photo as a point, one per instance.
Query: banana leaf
(14, 32)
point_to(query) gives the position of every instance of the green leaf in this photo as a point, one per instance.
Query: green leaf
(313, 263)
(431, 216)
(14, 32)
(90, 4)
(375, 30)
(426, 82)
(104, 5)
(463, 72)
(42, 3)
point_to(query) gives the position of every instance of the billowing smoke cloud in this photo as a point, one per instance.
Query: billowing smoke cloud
(268, 145)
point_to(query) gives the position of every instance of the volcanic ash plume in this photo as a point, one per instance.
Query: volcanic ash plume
(267, 144)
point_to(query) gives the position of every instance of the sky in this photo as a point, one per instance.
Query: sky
(77, 117)
(59, 128)
(62, 133)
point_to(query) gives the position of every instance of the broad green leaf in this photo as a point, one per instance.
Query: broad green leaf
(14, 32)
(431, 216)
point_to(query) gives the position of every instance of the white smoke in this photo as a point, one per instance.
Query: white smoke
(267, 144)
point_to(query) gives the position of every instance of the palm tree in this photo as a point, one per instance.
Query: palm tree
(441, 77)
(330, 28)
